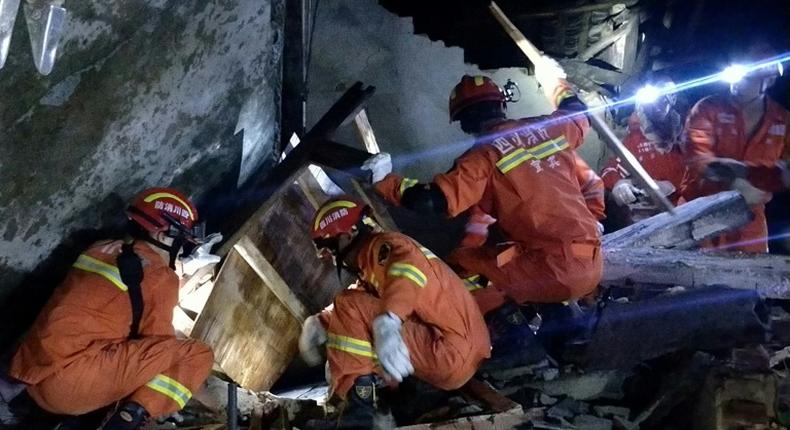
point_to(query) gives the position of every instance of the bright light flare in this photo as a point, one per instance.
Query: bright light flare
(647, 94)
(734, 73)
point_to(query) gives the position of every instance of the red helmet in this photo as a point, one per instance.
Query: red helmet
(471, 90)
(337, 216)
(164, 210)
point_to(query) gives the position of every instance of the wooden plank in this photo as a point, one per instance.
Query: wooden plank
(253, 334)
(487, 395)
(266, 272)
(695, 221)
(365, 131)
(768, 275)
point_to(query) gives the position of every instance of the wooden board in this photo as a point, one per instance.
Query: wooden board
(252, 332)
(271, 281)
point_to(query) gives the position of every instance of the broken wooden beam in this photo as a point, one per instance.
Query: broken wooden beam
(695, 221)
(768, 275)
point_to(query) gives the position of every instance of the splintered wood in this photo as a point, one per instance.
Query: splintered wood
(270, 282)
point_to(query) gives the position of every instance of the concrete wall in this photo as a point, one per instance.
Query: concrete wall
(360, 40)
(144, 93)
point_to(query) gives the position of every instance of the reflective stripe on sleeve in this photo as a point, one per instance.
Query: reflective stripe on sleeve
(350, 345)
(410, 272)
(405, 184)
(171, 388)
(105, 270)
(428, 253)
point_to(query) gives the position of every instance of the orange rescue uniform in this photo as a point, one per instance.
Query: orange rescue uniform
(526, 173)
(715, 128)
(77, 357)
(442, 326)
(662, 166)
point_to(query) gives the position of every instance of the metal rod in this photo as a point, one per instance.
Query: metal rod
(233, 410)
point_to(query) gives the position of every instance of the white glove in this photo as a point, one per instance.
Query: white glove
(201, 256)
(666, 187)
(380, 165)
(600, 228)
(390, 348)
(750, 193)
(311, 340)
(548, 73)
(624, 192)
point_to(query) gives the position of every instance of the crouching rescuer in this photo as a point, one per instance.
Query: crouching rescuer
(408, 313)
(106, 335)
(523, 174)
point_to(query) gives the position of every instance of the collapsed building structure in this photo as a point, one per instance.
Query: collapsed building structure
(661, 354)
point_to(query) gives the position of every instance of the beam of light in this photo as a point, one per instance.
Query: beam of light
(647, 94)
(750, 242)
(734, 73)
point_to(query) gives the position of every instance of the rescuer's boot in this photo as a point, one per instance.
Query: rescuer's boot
(129, 416)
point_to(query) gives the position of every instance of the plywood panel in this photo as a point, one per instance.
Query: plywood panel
(252, 332)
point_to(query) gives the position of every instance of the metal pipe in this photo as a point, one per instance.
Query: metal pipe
(233, 410)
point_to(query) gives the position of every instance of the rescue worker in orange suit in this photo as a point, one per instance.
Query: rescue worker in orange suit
(525, 171)
(408, 314)
(653, 135)
(476, 234)
(88, 351)
(744, 125)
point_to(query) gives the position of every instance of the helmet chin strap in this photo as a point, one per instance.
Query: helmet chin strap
(340, 257)
(172, 249)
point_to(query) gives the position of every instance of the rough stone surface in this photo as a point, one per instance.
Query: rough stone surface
(360, 41)
(143, 93)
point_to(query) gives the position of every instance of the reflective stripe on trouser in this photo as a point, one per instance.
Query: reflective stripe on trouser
(531, 277)
(171, 388)
(118, 371)
(440, 360)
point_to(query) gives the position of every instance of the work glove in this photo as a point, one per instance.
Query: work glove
(380, 165)
(624, 192)
(750, 193)
(312, 338)
(390, 348)
(548, 73)
(725, 170)
(201, 256)
(666, 187)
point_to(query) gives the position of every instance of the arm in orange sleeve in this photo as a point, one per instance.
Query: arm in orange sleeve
(406, 269)
(591, 187)
(465, 184)
(698, 151)
(391, 188)
(611, 173)
(476, 229)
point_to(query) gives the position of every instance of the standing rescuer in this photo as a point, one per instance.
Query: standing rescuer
(524, 171)
(744, 125)
(106, 335)
(653, 136)
(408, 314)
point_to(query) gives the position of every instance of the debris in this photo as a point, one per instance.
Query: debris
(612, 411)
(623, 424)
(590, 422)
(546, 400)
(568, 408)
(725, 211)
(627, 334)
(754, 359)
(595, 385)
(768, 275)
